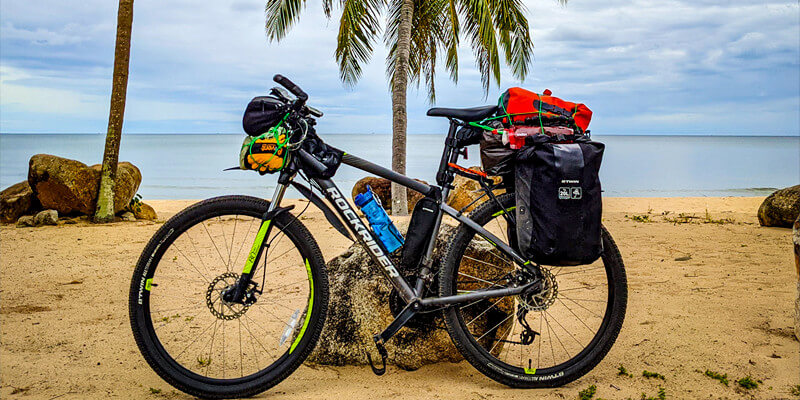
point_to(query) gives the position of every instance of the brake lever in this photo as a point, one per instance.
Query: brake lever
(280, 93)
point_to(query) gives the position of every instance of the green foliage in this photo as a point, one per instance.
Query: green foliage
(623, 372)
(168, 318)
(748, 382)
(203, 361)
(588, 393)
(640, 218)
(662, 395)
(709, 220)
(648, 374)
(135, 204)
(795, 390)
(494, 29)
(723, 378)
(681, 218)
(155, 391)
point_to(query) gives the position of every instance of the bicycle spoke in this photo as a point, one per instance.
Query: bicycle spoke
(565, 329)
(583, 287)
(495, 327)
(246, 236)
(192, 264)
(233, 238)
(241, 353)
(212, 241)
(484, 311)
(581, 306)
(483, 262)
(205, 267)
(576, 316)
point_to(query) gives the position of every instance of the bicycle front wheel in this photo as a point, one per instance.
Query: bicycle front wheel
(542, 339)
(210, 348)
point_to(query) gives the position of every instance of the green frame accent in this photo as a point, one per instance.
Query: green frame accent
(251, 259)
(501, 212)
(308, 312)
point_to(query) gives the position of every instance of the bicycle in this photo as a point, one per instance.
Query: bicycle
(194, 279)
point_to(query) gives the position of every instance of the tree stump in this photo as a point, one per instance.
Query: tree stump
(359, 308)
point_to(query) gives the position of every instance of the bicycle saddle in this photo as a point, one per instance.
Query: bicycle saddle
(464, 114)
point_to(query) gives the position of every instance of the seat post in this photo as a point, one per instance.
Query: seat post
(443, 177)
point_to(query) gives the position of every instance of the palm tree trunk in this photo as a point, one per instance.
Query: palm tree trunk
(108, 174)
(400, 118)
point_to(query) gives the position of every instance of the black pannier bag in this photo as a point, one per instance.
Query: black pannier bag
(262, 113)
(558, 200)
(420, 229)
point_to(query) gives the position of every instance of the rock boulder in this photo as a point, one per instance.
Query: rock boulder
(359, 308)
(145, 211)
(25, 220)
(780, 208)
(466, 191)
(46, 217)
(16, 201)
(70, 186)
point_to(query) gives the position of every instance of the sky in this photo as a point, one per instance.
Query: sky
(643, 67)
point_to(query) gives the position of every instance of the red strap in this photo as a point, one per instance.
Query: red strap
(466, 170)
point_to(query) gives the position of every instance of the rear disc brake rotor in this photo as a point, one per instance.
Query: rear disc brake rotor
(544, 298)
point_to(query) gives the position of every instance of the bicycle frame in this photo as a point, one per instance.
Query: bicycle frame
(375, 249)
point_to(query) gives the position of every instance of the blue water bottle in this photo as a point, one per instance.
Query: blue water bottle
(370, 205)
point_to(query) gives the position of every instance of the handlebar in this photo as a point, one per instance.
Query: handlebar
(300, 103)
(290, 86)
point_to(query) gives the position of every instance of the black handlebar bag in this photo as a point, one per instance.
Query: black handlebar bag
(558, 200)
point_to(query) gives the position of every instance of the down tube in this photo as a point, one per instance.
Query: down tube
(366, 238)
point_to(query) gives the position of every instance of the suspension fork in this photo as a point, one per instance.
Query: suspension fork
(259, 246)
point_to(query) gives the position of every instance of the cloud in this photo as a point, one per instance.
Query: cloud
(675, 66)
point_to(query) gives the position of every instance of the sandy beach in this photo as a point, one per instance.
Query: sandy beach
(715, 293)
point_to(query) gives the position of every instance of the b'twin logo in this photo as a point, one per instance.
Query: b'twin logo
(362, 230)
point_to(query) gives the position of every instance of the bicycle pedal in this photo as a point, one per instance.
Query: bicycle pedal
(384, 355)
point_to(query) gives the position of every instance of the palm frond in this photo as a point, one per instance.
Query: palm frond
(280, 16)
(451, 32)
(512, 28)
(358, 29)
(478, 26)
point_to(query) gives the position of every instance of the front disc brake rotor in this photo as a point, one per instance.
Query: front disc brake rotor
(219, 307)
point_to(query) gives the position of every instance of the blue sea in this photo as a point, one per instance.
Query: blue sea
(191, 166)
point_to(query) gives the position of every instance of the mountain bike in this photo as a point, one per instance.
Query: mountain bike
(230, 295)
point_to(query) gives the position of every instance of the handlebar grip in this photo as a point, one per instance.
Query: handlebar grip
(290, 86)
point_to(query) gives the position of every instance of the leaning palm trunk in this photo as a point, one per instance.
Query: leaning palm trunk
(399, 115)
(108, 174)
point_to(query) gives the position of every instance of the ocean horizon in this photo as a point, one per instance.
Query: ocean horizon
(189, 166)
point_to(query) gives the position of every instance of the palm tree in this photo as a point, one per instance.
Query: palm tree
(108, 173)
(417, 31)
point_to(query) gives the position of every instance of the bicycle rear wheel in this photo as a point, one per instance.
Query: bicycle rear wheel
(542, 339)
(203, 345)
